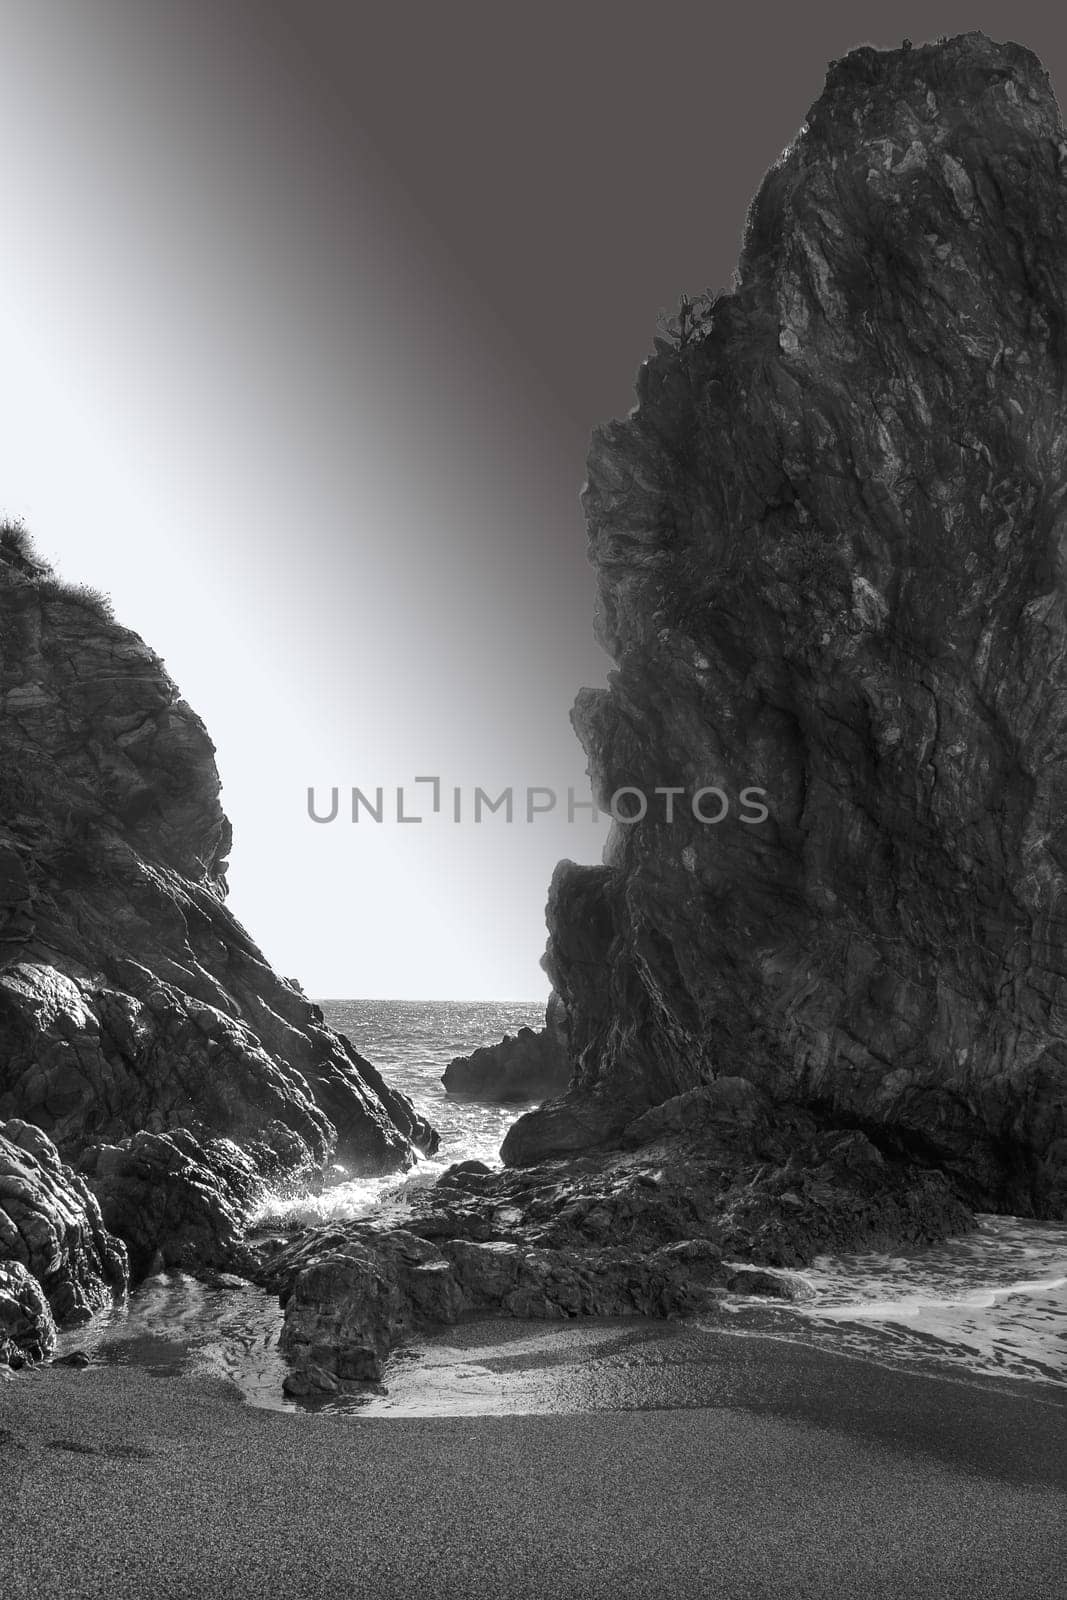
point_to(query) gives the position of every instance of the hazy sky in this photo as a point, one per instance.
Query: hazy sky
(307, 313)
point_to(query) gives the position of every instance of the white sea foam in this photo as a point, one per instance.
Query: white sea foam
(916, 1305)
(411, 1042)
(993, 1302)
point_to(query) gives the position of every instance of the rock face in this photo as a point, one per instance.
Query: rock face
(830, 543)
(530, 1066)
(140, 1027)
(58, 1263)
(176, 1200)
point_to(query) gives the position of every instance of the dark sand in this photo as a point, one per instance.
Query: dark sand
(780, 1471)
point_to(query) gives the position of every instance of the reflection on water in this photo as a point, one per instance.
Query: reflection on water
(509, 1368)
(174, 1324)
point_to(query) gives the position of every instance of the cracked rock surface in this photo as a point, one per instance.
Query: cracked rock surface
(830, 550)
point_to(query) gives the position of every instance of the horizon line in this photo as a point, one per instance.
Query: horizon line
(433, 1000)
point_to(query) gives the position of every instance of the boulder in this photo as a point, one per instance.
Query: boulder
(177, 1201)
(529, 1066)
(356, 1297)
(729, 1109)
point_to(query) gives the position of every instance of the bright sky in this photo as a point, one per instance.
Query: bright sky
(248, 395)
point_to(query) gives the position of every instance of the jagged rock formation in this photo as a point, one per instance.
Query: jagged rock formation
(657, 1231)
(133, 1006)
(528, 1066)
(830, 547)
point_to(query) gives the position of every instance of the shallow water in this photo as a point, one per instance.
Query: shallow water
(173, 1325)
(993, 1303)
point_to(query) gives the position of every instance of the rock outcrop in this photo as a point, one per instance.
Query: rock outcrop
(830, 549)
(140, 1027)
(723, 1181)
(529, 1066)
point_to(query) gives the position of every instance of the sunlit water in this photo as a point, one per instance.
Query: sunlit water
(411, 1042)
(993, 1303)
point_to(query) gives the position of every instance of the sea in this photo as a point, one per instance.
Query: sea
(990, 1304)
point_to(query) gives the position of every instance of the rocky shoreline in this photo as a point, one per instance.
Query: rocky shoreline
(645, 1231)
(828, 543)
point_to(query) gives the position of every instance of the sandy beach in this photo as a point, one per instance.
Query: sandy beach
(756, 1469)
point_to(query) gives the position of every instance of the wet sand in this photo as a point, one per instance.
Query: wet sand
(707, 1467)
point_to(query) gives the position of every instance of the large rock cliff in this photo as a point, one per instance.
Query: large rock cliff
(140, 1027)
(830, 543)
